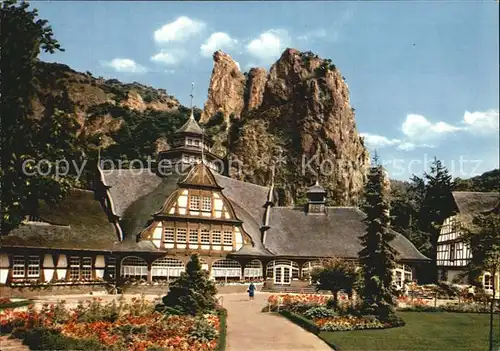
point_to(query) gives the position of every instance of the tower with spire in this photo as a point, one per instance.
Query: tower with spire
(189, 145)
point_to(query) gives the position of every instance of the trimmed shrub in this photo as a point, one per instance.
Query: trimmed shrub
(49, 339)
(301, 321)
(319, 312)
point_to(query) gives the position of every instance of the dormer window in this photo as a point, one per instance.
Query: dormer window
(197, 142)
(189, 141)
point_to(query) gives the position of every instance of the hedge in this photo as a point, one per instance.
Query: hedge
(221, 344)
(49, 339)
(301, 321)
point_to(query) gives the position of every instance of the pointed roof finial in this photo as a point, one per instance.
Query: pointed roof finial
(192, 97)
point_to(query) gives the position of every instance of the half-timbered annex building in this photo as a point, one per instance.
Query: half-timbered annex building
(143, 225)
(453, 254)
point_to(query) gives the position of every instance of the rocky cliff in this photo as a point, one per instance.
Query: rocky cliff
(298, 114)
(106, 109)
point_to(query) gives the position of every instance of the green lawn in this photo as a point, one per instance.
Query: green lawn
(423, 331)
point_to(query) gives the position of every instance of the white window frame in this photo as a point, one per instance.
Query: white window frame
(194, 203)
(181, 235)
(74, 268)
(169, 235)
(193, 233)
(136, 267)
(18, 267)
(206, 204)
(86, 268)
(488, 282)
(205, 237)
(228, 238)
(216, 237)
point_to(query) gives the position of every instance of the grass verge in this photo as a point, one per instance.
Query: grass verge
(221, 344)
(423, 331)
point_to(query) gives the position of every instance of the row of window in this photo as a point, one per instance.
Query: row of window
(78, 267)
(195, 236)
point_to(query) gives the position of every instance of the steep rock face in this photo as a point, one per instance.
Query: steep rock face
(226, 90)
(309, 127)
(99, 105)
(256, 82)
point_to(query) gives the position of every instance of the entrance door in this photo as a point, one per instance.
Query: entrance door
(282, 275)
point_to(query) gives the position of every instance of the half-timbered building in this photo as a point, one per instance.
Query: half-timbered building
(142, 225)
(453, 254)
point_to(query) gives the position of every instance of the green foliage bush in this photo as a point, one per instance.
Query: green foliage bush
(319, 312)
(192, 293)
(49, 339)
(203, 331)
(301, 321)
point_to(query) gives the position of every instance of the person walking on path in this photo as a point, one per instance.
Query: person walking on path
(251, 291)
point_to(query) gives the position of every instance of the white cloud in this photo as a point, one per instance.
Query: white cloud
(417, 127)
(238, 64)
(482, 122)
(169, 57)
(179, 30)
(378, 141)
(269, 45)
(374, 141)
(318, 33)
(217, 41)
(124, 65)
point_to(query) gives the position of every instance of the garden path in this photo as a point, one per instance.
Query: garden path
(250, 329)
(7, 344)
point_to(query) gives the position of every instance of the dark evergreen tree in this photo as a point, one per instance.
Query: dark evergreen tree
(192, 293)
(377, 257)
(437, 205)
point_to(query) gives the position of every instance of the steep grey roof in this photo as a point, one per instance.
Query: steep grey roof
(191, 126)
(294, 233)
(127, 185)
(136, 196)
(469, 202)
(77, 222)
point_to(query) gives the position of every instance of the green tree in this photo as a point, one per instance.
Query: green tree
(483, 238)
(24, 35)
(437, 205)
(192, 293)
(377, 256)
(335, 275)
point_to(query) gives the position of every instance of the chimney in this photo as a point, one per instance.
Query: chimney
(316, 200)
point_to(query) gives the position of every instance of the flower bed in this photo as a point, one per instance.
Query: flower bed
(310, 309)
(117, 326)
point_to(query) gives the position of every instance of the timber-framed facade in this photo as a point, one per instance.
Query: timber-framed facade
(141, 225)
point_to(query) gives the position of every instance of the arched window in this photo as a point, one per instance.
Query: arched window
(167, 267)
(133, 266)
(402, 273)
(253, 270)
(226, 270)
(308, 267)
(282, 271)
(488, 281)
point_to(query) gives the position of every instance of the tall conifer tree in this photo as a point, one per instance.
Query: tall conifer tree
(437, 205)
(377, 256)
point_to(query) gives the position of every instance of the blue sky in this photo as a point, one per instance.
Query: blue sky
(423, 76)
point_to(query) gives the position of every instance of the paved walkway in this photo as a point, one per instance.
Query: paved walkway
(7, 344)
(250, 329)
